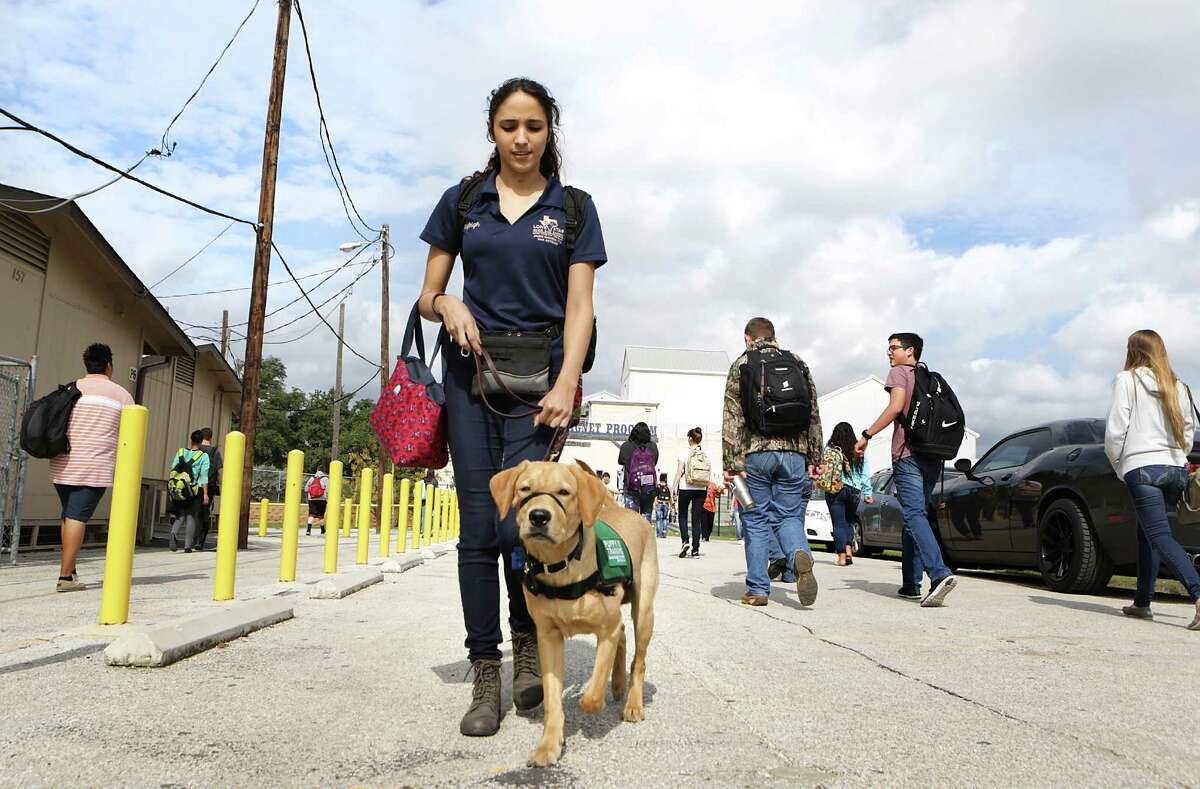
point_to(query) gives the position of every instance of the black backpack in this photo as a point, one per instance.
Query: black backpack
(576, 202)
(472, 185)
(935, 424)
(775, 393)
(44, 426)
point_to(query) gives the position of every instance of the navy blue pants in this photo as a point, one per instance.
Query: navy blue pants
(482, 444)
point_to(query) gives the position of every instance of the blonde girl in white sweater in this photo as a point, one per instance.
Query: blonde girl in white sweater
(1149, 433)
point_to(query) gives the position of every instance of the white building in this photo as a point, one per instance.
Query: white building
(859, 403)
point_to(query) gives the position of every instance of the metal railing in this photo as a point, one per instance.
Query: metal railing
(17, 378)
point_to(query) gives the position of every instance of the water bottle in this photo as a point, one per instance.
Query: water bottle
(741, 492)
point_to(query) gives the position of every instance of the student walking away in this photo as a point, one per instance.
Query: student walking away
(609, 485)
(318, 489)
(709, 515)
(928, 425)
(692, 471)
(662, 506)
(187, 490)
(638, 457)
(85, 470)
(846, 481)
(770, 427)
(1151, 426)
(215, 464)
(530, 248)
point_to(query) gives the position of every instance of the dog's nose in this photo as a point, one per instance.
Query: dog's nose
(539, 517)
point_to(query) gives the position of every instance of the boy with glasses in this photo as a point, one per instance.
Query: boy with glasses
(914, 475)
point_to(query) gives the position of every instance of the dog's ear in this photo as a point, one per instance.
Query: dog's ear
(585, 466)
(591, 493)
(503, 485)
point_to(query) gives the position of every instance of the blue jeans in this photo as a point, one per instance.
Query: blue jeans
(737, 523)
(914, 478)
(780, 486)
(661, 510)
(1156, 490)
(839, 512)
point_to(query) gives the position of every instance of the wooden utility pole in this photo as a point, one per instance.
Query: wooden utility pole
(385, 361)
(224, 333)
(337, 387)
(262, 263)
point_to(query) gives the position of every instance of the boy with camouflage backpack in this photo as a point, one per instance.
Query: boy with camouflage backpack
(187, 490)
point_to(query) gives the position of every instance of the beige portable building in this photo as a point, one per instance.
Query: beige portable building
(65, 287)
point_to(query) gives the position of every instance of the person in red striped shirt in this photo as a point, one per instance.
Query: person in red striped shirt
(82, 475)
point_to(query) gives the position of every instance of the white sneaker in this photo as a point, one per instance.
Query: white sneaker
(937, 593)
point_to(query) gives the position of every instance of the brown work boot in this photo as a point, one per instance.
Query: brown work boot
(483, 716)
(527, 672)
(754, 599)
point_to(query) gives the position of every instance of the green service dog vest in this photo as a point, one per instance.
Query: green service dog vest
(614, 567)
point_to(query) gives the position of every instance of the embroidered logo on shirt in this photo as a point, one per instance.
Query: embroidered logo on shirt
(470, 226)
(548, 230)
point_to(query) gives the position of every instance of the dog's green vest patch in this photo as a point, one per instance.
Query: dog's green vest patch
(612, 556)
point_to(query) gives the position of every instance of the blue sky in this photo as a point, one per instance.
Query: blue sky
(1017, 181)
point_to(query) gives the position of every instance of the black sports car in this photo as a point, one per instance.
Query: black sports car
(1044, 498)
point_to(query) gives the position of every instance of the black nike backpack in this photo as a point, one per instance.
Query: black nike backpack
(935, 424)
(44, 426)
(775, 393)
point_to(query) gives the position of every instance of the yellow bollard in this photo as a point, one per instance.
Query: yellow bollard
(454, 533)
(446, 515)
(385, 515)
(417, 490)
(438, 495)
(332, 505)
(230, 514)
(346, 517)
(364, 516)
(263, 506)
(426, 535)
(402, 514)
(291, 516)
(122, 520)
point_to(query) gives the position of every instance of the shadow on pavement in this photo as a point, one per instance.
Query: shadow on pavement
(882, 589)
(1078, 605)
(155, 580)
(61, 657)
(780, 594)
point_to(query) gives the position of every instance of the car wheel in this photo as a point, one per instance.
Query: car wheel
(859, 548)
(1071, 559)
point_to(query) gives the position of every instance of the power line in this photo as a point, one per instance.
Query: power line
(179, 268)
(169, 149)
(323, 135)
(332, 403)
(292, 274)
(277, 282)
(304, 294)
(122, 174)
(315, 326)
(7, 203)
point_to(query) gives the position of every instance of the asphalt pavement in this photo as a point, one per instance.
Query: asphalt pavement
(1008, 685)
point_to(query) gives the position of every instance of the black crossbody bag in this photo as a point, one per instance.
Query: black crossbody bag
(517, 363)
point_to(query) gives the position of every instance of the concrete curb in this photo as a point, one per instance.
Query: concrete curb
(428, 554)
(338, 586)
(165, 644)
(400, 564)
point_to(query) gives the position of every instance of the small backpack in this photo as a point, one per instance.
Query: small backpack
(698, 471)
(935, 424)
(181, 484)
(640, 474)
(775, 393)
(834, 461)
(44, 426)
(315, 489)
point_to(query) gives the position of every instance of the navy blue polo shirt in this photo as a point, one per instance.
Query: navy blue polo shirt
(515, 275)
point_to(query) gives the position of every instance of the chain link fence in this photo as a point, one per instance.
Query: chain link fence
(16, 392)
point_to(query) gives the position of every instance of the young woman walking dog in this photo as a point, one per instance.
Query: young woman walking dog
(1149, 433)
(530, 248)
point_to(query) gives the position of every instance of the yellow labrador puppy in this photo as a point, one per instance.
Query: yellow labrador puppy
(557, 506)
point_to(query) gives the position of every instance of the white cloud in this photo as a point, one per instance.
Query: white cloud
(768, 161)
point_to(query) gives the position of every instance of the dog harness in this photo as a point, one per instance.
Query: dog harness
(614, 567)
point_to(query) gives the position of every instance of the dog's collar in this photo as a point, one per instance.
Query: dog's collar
(532, 565)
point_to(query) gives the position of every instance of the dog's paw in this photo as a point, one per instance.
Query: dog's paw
(592, 703)
(634, 713)
(545, 755)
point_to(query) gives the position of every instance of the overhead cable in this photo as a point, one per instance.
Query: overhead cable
(169, 148)
(277, 282)
(179, 268)
(339, 180)
(122, 174)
